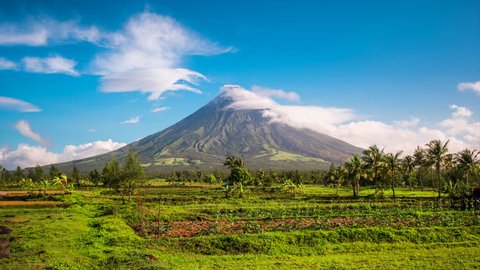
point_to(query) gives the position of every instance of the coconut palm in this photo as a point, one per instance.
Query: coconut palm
(393, 165)
(232, 161)
(372, 158)
(436, 154)
(407, 167)
(467, 160)
(355, 172)
(420, 162)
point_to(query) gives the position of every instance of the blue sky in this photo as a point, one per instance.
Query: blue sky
(395, 68)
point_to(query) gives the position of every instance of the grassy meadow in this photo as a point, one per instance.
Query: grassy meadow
(194, 226)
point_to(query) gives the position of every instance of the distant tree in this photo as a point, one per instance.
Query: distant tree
(436, 154)
(420, 162)
(407, 167)
(232, 161)
(132, 176)
(111, 174)
(393, 165)
(18, 175)
(373, 158)
(335, 176)
(54, 172)
(76, 176)
(467, 163)
(3, 176)
(199, 176)
(38, 174)
(238, 174)
(355, 172)
(95, 177)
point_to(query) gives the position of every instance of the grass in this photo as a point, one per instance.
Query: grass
(91, 229)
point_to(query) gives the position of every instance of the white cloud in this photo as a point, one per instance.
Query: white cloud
(24, 128)
(7, 64)
(49, 65)
(344, 124)
(469, 86)
(17, 105)
(155, 81)
(159, 109)
(460, 112)
(92, 130)
(73, 152)
(133, 120)
(28, 156)
(268, 92)
(412, 122)
(42, 31)
(145, 55)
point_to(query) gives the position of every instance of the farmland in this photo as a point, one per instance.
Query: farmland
(195, 226)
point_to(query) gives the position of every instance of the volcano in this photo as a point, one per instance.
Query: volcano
(202, 140)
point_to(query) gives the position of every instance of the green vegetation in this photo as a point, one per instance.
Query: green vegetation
(194, 226)
(393, 219)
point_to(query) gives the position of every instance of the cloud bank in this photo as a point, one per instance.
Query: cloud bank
(345, 124)
(28, 156)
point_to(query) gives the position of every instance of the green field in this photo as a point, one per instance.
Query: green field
(195, 227)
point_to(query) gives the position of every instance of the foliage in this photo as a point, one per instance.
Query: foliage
(238, 174)
(124, 180)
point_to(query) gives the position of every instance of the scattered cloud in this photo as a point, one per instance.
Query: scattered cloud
(469, 86)
(146, 54)
(278, 93)
(17, 105)
(24, 128)
(49, 65)
(133, 120)
(45, 31)
(345, 124)
(412, 122)
(92, 130)
(159, 109)
(459, 112)
(7, 64)
(28, 156)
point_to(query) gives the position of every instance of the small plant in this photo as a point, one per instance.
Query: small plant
(289, 187)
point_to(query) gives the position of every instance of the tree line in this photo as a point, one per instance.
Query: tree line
(429, 166)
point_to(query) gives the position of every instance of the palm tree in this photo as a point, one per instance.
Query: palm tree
(436, 154)
(466, 161)
(355, 172)
(419, 162)
(372, 158)
(232, 161)
(407, 167)
(393, 163)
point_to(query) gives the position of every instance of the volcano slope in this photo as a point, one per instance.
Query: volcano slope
(203, 139)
